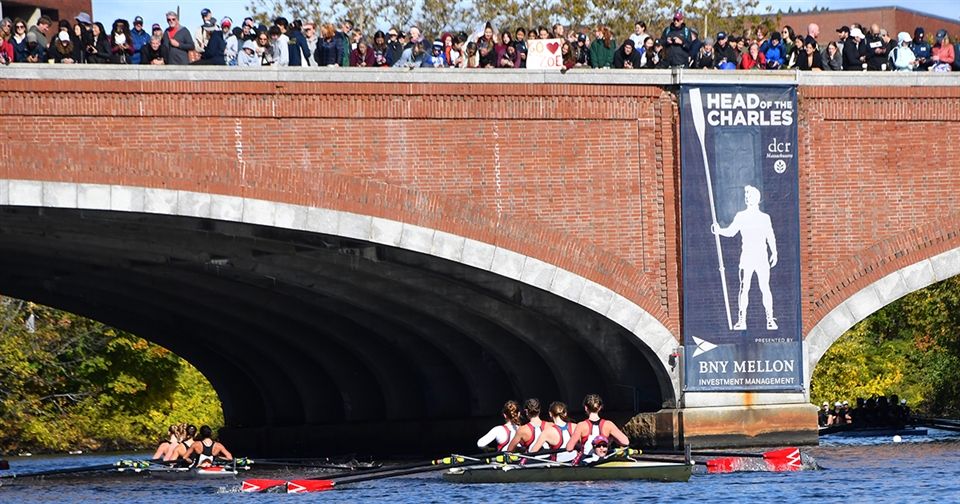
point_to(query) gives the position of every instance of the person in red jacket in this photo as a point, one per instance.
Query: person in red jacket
(753, 59)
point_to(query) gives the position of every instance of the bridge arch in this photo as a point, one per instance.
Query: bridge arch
(872, 296)
(556, 333)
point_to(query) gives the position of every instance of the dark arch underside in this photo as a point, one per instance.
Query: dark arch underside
(319, 344)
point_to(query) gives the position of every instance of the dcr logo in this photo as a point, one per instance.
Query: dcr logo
(778, 147)
(780, 166)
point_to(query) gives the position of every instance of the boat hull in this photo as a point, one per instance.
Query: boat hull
(618, 471)
(872, 432)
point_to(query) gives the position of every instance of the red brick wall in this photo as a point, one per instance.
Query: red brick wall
(585, 177)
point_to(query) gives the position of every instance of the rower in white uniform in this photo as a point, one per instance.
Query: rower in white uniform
(503, 433)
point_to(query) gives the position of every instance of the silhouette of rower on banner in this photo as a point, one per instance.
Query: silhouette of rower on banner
(756, 234)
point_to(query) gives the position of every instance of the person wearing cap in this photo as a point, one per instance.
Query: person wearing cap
(231, 46)
(139, 38)
(582, 51)
(177, 42)
(214, 52)
(62, 48)
(627, 56)
(723, 51)
(921, 48)
(843, 33)
(822, 414)
(773, 51)
(676, 28)
(601, 448)
(202, 34)
(902, 58)
(942, 53)
(855, 51)
(706, 55)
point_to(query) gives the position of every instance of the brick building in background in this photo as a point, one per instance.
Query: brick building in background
(894, 19)
(31, 10)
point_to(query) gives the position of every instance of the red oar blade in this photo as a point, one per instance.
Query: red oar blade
(260, 485)
(784, 459)
(307, 486)
(781, 460)
(723, 465)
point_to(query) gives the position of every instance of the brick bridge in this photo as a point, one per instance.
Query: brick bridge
(359, 259)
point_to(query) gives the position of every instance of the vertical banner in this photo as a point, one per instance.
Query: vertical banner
(741, 238)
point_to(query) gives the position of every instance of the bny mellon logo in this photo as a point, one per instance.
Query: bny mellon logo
(703, 346)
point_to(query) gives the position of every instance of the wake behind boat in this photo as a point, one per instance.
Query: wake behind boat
(613, 470)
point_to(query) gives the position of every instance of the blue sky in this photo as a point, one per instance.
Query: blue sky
(153, 10)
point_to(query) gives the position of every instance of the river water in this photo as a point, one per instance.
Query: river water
(919, 469)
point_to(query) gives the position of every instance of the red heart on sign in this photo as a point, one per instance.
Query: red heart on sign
(553, 47)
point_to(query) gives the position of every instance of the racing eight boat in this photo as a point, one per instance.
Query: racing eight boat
(612, 470)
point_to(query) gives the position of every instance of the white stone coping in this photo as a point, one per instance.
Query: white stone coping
(607, 76)
(875, 296)
(739, 399)
(388, 232)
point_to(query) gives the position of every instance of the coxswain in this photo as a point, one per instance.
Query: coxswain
(601, 447)
(556, 434)
(503, 433)
(206, 449)
(531, 430)
(594, 426)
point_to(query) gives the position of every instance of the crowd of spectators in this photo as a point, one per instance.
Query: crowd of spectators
(300, 43)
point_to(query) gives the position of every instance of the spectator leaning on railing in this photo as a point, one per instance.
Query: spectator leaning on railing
(301, 43)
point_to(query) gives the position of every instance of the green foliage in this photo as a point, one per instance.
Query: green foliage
(73, 383)
(910, 348)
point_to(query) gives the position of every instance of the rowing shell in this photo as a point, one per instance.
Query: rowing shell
(192, 472)
(614, 470)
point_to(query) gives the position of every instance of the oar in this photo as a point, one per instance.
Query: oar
(327, 482)
(70, 470)
(784, 459)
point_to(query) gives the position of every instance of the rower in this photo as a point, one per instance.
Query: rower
(601, 446)
(167, 446)
(191, 436)
(207, 449)
(503, 433)
(531, 430)
(556, 434)
(594, 426)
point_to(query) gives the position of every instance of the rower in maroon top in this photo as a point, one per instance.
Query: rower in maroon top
(594, 426)
(556, 434)
(531, 430)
